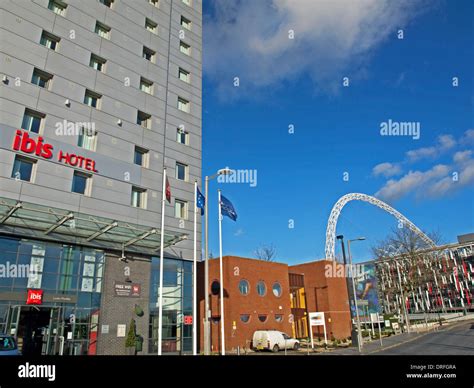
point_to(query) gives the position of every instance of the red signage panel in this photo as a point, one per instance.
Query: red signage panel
(34, 297)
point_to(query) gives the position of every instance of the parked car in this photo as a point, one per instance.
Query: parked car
(8, 346)
(273, 340)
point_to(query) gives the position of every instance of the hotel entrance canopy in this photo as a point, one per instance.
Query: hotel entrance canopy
(48, 223)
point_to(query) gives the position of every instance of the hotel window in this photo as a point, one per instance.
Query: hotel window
(107, 3)
(144, 119)
(41, 78)
(184, 48)
(138, 197)
(186, 23)
(183, 105)
(155, 3)
(181, 171)
(87, 140)
(92, 99)
(182, 136)
(180, 209)
(151, 26)
(80, 183)
(187, 2)
(146, 86)
(140, 157)
(184, 75)
(149, 54)
(244, 287)
(32, 121)
(23, 169)
(102, 30)
(261, 288)
(58, 7)
(49, 40)
(97, 63)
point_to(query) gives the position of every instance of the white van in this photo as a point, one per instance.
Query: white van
(273, 340)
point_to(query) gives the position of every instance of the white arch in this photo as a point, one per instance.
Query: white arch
(336, 210)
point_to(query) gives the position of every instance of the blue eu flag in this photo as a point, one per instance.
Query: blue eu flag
(200, 200)
(227, 209)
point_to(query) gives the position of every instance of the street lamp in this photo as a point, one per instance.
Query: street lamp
(207, 326)
(359, 336)
(349, 297)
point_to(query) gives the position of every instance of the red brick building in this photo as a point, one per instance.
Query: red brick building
(323, 293)
(261, 295)
(256, 297)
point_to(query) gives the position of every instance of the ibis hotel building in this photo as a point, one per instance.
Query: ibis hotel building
(97, 97)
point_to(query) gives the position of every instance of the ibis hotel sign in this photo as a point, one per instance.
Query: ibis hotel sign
(67, 154)
(24, 143)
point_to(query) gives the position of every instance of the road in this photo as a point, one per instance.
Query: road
(455, 340)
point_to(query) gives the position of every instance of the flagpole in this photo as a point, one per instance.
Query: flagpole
(195, 273)
(221, 277)
(162, 241)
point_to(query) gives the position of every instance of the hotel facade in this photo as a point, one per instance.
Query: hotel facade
(97, 97)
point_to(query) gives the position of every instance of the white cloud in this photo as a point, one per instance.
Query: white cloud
(462, 156)
(468, 137)
(435, 182)
(386, 169)
(444, 143)
(464, 176)
(332, 38)
(412, 181)
(239, 232)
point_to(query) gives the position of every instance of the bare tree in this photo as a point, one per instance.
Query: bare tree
(403, 241)
(265, 252)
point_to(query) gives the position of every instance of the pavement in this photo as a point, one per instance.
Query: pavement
(452, 339)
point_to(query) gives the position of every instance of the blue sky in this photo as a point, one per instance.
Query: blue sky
(298, 82)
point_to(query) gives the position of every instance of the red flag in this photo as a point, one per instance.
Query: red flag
(168, 191)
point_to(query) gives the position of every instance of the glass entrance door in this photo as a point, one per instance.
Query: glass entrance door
(53, 341)
(12, 321)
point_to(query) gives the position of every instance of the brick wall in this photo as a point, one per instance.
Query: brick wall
(328, 295)
(238, 333)
(120, 310)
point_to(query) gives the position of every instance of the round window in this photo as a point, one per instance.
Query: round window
(244, 287)
(215, 287)
(279, 318)
(261, 288)
(262, 318)
(277, 289)
(245, 318)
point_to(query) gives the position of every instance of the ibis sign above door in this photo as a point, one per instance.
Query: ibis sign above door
(24, 143)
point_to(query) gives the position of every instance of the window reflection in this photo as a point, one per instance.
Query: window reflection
(177, 303)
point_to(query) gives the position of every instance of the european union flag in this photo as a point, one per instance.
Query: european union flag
(227, 209)
(200, 200)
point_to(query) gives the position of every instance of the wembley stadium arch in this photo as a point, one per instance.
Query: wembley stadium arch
(336, 211)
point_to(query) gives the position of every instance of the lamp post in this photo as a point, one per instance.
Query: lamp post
(354, 336)
(359, 334)
(207, 323)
